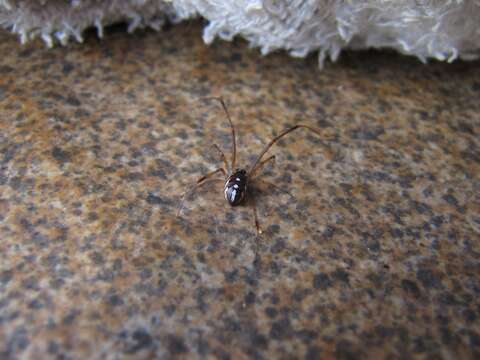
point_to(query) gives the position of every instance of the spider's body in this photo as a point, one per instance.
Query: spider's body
(236, 187)
(237, 180)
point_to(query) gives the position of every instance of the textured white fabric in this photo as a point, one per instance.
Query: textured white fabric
(440, 29)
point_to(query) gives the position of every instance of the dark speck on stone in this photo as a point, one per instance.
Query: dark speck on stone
(322, 281)
(182, 134)
(35, 304)
(201, 257)
(428, 278)
(170, 309)
(115, 300)
(231, 276)
(92, 216)
(367, 133)
(97, 258)
(142, 340)
(313, 353)
(176, 345)
(466, 128)
(71, 100)
(411, 287)
(447, 336)
(396, 233)
(448, 299)
(344, 351)
(421, 207)
(18, 340)
(329, 231)
(67, 67)
(275, 268)
(60, 155)
(30, 282)
(341, 275)
(134, 176)
(450, 199)
(273, 229)
(373, 245)
(438, 220)
(280, 329)
(232, 324)
(271, 312)
(117, 265)
(278, 246)
(236, 57)
(25, 53)
(383, 331)
(469, 315)
(5, 69)
(250, 298)
(6, 276)
(259, 340)
(158, 173)
(70, 317)
(157, 200)
(145, 273)
(53, 347)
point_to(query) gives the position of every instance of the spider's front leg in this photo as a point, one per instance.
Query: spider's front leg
(200, 182)
(260, 166)
(210, 174)
(222, 156)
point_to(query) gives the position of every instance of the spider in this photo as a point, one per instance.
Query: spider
(236, 184)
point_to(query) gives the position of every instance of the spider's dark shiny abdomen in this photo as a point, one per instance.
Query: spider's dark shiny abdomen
(236, 187)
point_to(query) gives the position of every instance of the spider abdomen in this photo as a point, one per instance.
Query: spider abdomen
(236, 187)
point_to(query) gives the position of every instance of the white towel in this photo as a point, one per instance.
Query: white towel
(440, 29)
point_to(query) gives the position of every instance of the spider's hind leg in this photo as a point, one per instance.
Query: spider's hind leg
(253, 204)
(271, 185)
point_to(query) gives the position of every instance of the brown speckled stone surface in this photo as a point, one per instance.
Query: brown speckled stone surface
(376, 255)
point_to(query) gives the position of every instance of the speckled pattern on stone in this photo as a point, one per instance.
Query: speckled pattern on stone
(377, 255)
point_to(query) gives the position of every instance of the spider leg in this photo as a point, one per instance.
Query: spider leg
(200, 182)
(256, 163)
(232, 128)
(192, 191)
(261, 165)
(255, 215)
(210, 174)
(222, 155)
(278, 188)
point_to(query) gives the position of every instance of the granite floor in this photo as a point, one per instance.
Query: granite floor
(371, 232)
